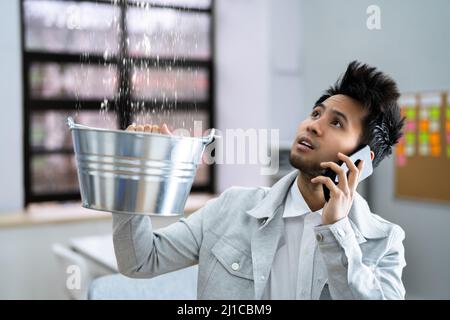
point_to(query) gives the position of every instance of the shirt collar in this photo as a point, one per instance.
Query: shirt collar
(295, 203)
(360, 215)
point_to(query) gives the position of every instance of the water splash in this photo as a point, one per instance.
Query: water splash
(104, 106)
(155, 45)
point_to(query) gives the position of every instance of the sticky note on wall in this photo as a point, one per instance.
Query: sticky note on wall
(407, 145)
(429, 124)
(447, 124)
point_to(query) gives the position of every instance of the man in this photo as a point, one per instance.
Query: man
(287, 242)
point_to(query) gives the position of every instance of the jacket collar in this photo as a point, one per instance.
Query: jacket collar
(361, 218)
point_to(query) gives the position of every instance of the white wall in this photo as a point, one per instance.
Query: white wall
(242, 78)
(286, 66)
(11, 168)
(413, 46)
(258, 74)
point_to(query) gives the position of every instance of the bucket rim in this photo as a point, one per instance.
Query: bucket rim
(205, 139)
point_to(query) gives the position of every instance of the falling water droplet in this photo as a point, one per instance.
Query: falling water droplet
(104, 106)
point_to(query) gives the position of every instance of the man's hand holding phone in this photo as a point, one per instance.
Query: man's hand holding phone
(341, 194)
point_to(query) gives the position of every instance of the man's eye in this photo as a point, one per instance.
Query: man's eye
(337, 123)
(314, 114)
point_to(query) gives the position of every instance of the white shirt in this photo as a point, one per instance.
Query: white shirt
(298, 271)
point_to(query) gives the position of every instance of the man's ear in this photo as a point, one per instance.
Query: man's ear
(372, 155)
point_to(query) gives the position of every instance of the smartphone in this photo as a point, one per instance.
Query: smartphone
(361, 153)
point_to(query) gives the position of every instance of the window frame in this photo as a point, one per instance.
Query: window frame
(31, 105)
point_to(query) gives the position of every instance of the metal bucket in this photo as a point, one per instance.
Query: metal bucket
(135, 172)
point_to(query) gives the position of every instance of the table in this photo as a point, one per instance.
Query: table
(97, 249)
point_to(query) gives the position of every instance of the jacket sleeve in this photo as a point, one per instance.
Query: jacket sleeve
(144, 253)
(348, 276)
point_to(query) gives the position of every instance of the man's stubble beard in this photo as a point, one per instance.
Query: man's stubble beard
(308, 169)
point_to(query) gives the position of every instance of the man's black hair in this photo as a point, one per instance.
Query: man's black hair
(378, 93)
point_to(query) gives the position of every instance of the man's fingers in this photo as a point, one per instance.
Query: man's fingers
(343, 184)
(353, 171)
(334, 190)
(165, 129)
(354, 178)
(155, 129)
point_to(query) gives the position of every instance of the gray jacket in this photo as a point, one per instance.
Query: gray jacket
(234, 238)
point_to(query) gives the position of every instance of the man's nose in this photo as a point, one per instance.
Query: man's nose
(315, 128)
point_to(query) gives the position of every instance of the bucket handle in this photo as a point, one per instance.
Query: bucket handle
(71, 124)
(208, 139)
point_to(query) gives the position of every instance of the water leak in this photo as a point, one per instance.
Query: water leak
(143, 62)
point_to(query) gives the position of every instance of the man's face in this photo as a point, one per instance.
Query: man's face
(333, 126)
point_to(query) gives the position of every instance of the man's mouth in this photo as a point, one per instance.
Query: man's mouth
(304, 141)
